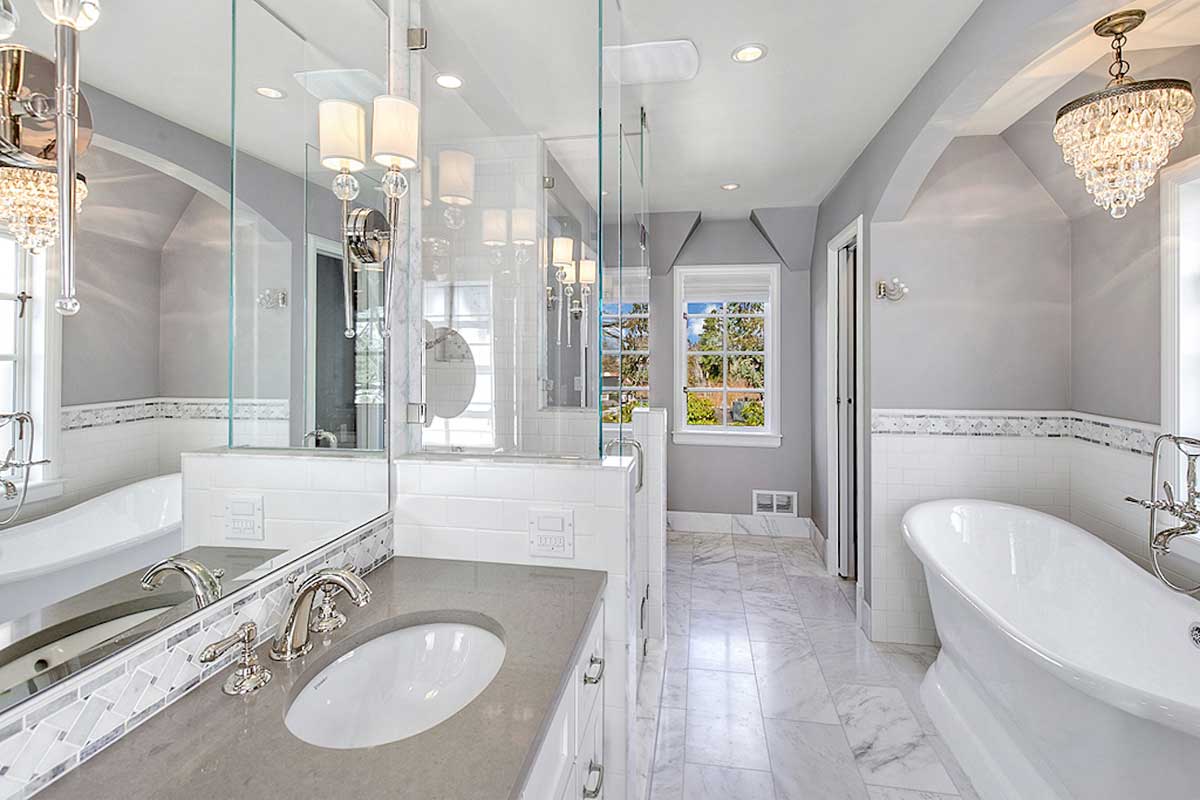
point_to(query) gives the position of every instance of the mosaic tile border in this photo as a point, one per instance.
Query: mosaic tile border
(44, 739)
(94, 416)
(1117, 434)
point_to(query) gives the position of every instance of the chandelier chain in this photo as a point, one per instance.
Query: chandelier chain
(1120, 67)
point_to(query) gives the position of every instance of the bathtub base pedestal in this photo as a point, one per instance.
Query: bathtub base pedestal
(979, 740)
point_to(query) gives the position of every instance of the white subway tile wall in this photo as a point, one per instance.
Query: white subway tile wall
(305, 499)
(65, 726)
(1076, 466)
(107, 445)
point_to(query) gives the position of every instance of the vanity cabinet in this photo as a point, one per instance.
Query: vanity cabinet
(570, 763)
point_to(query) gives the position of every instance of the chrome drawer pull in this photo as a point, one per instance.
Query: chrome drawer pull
(598, 769)
(594, 662)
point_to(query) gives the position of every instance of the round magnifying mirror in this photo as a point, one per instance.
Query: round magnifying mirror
(449, 374)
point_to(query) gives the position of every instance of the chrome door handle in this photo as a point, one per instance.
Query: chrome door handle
(594, 662)
(598, 770)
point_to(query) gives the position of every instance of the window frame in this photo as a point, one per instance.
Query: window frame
(729, 435)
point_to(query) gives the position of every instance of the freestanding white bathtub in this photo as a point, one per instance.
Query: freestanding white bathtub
(1066, 671)
(52, 558)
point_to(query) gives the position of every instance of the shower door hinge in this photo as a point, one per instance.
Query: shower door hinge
(418, 38)
(417, 413)
(548, 182)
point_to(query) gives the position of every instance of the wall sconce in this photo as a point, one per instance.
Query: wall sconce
(367, 235)
(894, 291)
(524, 233)
(495, 233)
(456, 185)
(562, 257)
(587, 279)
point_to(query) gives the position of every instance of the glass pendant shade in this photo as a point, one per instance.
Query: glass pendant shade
(341, 129)
(524, 227)
(395, 132)
(29, 205)
(456, 178)
(587, 271)
(79, 14)
(1119, 138)
(562, 252)
(495, 227)
(426, 182)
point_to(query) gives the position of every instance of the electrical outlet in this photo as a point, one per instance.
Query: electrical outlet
(552, 532)
(244, 517)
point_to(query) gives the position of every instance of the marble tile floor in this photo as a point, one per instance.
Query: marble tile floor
(771, 692)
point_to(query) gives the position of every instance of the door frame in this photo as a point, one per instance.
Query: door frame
(851, 233)
(316, 245)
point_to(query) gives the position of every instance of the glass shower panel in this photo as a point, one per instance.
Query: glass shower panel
(509, 232)
(297, 377)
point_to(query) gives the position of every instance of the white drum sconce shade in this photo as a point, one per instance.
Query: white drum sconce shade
(562, 253)
(524, 227)
(456, 178)
(495, 227)
(395, 132)
(587, 271)
(341, 129)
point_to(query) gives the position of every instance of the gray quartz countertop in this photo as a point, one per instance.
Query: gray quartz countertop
(210, 745)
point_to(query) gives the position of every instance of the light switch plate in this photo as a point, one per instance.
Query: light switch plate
(552, 532)
(244, 517)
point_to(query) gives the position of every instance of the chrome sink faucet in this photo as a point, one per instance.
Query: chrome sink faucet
(1187, 511)
(206, 585)
(292, 639)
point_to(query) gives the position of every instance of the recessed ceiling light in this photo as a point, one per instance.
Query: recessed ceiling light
(448, 80)
(271, 93)
(749, 53)
(731, 187)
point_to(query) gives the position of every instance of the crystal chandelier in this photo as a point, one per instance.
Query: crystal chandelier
(29, 205)
(1118, 138)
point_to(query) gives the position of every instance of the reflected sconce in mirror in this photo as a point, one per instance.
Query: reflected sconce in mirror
(579, 309)
(456, 185)
(894, 291)
(562, 257)
(495, 233)
(524, 233)
(367, 235)
(566, 278)
(45, 125)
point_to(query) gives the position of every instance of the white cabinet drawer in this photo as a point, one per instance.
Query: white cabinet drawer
(589, 764)
(551, 773)
(589, 674)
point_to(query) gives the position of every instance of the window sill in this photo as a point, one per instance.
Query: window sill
(726, 438)
(41, 490)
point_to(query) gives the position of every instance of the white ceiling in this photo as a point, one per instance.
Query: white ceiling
(787, 127)
(1169, 23)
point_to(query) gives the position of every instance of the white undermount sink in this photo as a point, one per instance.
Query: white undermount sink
(396, 685)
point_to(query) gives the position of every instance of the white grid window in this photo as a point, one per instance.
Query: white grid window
(727, 355)
(625, 361)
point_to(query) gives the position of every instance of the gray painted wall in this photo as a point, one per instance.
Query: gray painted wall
(719, 479)
(986, 254)
(111, 351)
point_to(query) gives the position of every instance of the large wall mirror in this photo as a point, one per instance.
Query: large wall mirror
(212, 330)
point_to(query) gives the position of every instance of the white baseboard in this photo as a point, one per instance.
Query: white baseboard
(741, 524)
